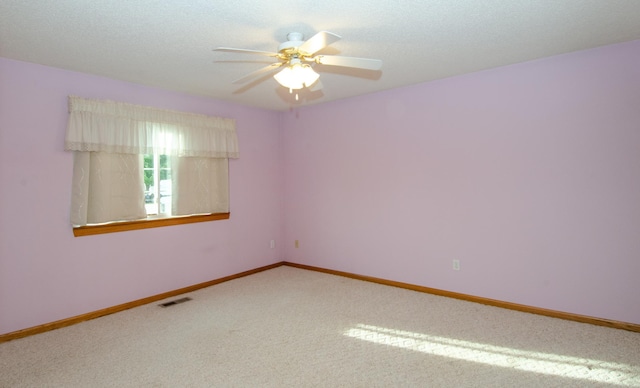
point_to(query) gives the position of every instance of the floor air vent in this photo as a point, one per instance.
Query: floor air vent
(171, 303)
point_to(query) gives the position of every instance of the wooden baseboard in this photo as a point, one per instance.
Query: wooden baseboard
(476, 299)
(125, 306)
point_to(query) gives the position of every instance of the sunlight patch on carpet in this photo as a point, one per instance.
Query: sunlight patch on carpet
(529, 361)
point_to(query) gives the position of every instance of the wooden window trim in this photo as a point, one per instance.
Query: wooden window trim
(146, 224)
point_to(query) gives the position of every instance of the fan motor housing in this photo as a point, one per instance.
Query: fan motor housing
(295, 40)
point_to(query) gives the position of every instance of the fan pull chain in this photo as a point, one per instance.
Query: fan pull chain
(291, 92)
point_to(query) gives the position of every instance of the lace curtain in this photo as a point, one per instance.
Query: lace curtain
(109, 138)
(200, 186)
(106, 187)
(116, 127)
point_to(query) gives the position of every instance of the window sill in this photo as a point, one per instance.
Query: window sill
(145, 224)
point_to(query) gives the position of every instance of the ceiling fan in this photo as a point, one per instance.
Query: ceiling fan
(294, 57)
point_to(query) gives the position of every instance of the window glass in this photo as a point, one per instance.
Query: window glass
(158, 185)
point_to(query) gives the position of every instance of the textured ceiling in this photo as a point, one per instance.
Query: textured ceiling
(168, 44)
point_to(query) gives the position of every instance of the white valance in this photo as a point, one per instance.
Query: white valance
(116, 127)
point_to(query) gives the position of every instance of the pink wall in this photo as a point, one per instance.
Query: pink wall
(528, 174)
(46, 274)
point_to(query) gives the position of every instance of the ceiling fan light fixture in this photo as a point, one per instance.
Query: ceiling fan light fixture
(309, 76)
(297, 76)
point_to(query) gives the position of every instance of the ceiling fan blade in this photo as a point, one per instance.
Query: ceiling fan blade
(256, 73)
(245, 51)
(360, 63)
(319, 41)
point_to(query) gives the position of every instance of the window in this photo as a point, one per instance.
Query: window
(157, 182)
(134, 164)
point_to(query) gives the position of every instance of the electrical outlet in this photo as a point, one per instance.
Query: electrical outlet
(273, 244)
(456, 265)
(297, 244)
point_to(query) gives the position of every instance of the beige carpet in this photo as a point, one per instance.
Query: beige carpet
(289, 327)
